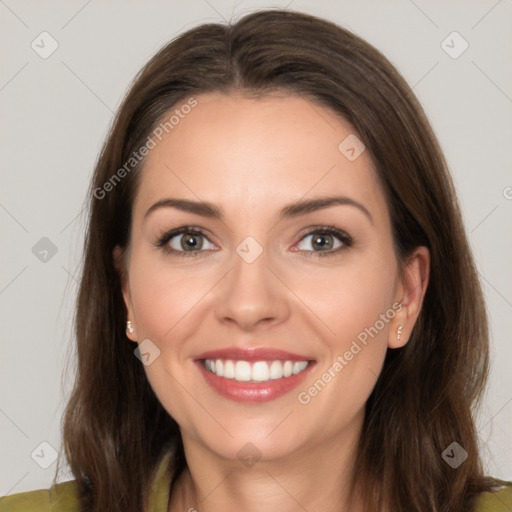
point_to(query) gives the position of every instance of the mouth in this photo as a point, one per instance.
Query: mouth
(258, 371)
(253, 375)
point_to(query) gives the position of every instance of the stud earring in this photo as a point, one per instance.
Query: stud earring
(129, 326)
(399, 333)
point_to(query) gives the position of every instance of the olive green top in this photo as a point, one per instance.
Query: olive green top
(62, 497)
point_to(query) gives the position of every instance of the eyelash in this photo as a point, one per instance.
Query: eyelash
(343, 237)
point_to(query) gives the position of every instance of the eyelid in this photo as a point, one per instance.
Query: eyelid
(345, 239)
(163, 239)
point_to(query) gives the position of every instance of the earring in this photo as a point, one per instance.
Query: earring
(399, 333)
(129, 326)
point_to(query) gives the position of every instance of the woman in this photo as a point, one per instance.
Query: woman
(273, 226)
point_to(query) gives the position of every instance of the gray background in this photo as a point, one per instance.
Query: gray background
(56, 113)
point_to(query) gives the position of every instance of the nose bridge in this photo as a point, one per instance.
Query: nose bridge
(251, 293)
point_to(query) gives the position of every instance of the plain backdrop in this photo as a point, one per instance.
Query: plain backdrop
(55, 114)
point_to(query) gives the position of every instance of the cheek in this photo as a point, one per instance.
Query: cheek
(162, 296)
(350, 298)
(166, 302)
(356, 305)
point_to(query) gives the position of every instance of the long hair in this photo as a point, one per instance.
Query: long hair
(114, 427)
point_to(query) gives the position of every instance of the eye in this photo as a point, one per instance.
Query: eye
(325, 241)
(189, 242)
(185, 241)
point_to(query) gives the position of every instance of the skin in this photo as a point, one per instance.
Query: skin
(251, 157)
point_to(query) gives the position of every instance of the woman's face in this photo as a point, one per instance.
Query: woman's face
(261, 285)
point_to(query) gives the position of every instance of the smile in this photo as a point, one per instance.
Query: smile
(254, 371)
(253, 374)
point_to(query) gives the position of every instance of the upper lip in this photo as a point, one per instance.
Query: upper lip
(252, 354)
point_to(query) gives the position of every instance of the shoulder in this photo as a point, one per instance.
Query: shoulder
(499, 501)
(59, 498)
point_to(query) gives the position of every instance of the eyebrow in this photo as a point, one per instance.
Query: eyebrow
(212, 211)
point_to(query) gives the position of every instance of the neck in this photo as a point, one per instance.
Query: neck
(316, 478)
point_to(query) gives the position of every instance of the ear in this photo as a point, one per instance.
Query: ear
(119, 256)
(411, 291)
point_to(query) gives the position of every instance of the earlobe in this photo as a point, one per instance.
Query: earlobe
(398, 336)
(414, 282)
(130, 330)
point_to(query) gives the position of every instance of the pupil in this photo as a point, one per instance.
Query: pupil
(190, 242)
(318, 241)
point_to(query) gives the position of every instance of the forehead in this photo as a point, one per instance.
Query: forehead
(246, 154)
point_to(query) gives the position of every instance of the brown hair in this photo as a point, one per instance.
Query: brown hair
(115, 429)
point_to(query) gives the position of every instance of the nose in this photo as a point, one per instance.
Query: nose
(252, 296)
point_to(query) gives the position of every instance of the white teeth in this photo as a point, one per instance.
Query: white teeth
(287, 369)
(298, 366)
(242, 371)
(276, 370)
(229, 370)
(258, 371)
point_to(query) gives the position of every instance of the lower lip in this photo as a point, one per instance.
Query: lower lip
(253, 391)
